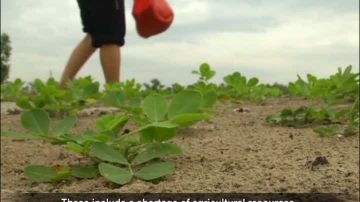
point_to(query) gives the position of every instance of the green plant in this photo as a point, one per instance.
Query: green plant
(207, 90)
(302, 116)
(12, 90)
(84, 90)
(47, 95)
(340, 88)
(205, 72)
(238, 87)
(127, 95)
(349, 119)
(326, 121)
(283, 88)
(116, 156)
(176, 88)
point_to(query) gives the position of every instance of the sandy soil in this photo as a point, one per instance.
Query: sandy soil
(234, 152)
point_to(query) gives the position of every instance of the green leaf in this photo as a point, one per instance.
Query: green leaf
(90, 136)
(253, 82)
(154, 107)
(206, 72)
(236, 81)
(159, 134)
(124, 143)
(326, 131)
(209, 99)
(164, 124)
(155, 171)
(185, 102)
(39, 173)
(107, 153)
(24, 103)
(91, 90)
(36, 120)
(189, 119)
(64, 126)
(134, 103)
(16, 135)
(45, 174)
(115, 99)
(111, 123)
(85, 172)
(73, 147)
(115, 174)
(156, 151)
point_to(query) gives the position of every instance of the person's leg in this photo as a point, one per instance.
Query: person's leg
(110, 61)
(77, 59)
(109, 36)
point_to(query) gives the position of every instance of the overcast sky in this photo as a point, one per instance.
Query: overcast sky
(273, 40)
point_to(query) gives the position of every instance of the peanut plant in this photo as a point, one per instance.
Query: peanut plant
(116, 156)
(341, 88)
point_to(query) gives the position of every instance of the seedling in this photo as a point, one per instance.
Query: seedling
(205, 72)
(340, 88)
(302, 116)
(11, 91)
(82, 92)
(207, 90)
(118, 158)
(238, 87)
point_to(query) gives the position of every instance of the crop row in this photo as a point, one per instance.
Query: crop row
(158, 112)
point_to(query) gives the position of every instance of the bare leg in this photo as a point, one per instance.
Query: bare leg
(110, 61)
(77, 59)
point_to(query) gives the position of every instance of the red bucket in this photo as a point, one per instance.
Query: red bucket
(152, 16)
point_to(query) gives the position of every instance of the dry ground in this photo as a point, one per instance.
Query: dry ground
(234, 152)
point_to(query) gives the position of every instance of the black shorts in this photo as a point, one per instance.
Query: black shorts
(104, 20)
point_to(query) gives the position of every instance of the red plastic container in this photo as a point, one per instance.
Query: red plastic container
(152, 17)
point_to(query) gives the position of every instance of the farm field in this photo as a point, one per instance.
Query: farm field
(241, 137)
(180, 101)
(233, 152)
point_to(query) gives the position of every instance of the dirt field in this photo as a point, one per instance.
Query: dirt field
(234, 152)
